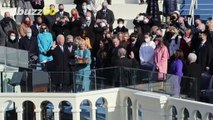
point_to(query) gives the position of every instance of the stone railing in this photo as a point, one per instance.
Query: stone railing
(120, 104)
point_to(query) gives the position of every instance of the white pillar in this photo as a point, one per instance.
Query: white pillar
(20, 113)
(93, 113)
(110, 113)
(38, 114)
(56, 113)
(76, 114)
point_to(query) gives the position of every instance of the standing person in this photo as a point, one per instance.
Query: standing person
(37, 26)
(61, 55)
(146, 53)
(176, 68)
(153, 11)
(61, 12)
(204, 52)
(120, 27)
(61, 26)
(75, 23)
(83, 61)
(161, 57)
(134, 46)
(188, 86)
(12, 40)
(45, 41)
(30, 43)
(106, 14)
(26, 23)
(7, 24)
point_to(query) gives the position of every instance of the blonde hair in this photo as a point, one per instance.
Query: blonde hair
(174, 29)
(81, 42)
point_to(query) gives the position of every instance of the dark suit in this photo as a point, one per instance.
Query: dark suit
(188, 85)
(59, 29)
(58, 14)
(61, 67)
(108, 16)
(135, 49)
(30, 45)
(90, 30)
(118, 29)
(204, 55)
(123, 75)
(35, 30)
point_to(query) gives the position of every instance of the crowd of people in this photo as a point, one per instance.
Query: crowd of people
(66, 43)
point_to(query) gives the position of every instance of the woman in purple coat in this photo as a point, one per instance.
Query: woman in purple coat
(176, 67)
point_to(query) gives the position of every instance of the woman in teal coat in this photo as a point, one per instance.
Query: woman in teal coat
(45, 41)
(83, 61)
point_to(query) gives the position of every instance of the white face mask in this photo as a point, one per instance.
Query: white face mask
(102, 24)
(84, 7)
(12, 38)
(120, 25)
(146, 21)
(147, 40)
(88, 18)
(29, 35)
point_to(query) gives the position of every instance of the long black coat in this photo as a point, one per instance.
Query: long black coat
(153, 11)
(30, 45)
(204, 55)
(61, 65)
(188, 85)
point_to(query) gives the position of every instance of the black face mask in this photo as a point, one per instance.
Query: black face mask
(170, 35)
(61, 10)
(69, 44)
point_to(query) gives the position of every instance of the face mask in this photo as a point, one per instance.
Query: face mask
(84, 7)
(12, 38)
(146, 21)
(75, 15)
(27, 22)
(70, 44)
(102, 24)
(133, 39)
(104, 7)
(88, 18)
(29, 35)
(153, 37)
(120, 25)
(7, 19)
(61, 9)
(147, 40)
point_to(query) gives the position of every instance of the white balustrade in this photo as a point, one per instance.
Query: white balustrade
(152, 105)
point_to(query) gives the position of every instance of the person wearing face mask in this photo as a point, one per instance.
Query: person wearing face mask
(75, 23)
(133, 46)
(88, 26)
(143, 22)
(61, 12)
(45, 41)
(106, 14)
(120, 27)
(62, 26)
(12, 40)
(26, 23)
(146, 53)
(29, 43)
(83, 12)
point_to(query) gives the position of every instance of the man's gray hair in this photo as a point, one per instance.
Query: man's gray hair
(121, 52)
(60, 35)
(192, 57)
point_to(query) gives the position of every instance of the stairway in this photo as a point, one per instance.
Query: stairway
(204, 10)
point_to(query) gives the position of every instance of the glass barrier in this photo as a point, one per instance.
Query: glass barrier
(97, 79)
